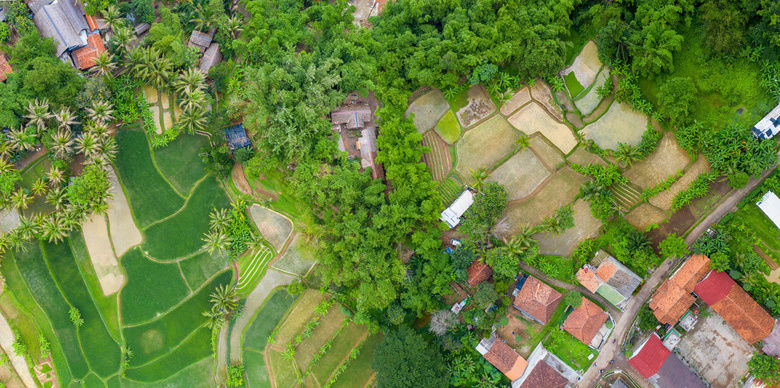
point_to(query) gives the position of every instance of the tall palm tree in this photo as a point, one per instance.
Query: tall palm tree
(65, 118)
(191, 121)
(111, 16)
(87, 144)
(100, 130)
(62, 144)
(56, 176)
(591, 190)
(5, 166)
(215, 318)
(55, 228)
(234, 25)
(552, 225)
(155, 68)
(479, 177)
(104, 64)
(627, 154)
(6, 147)
(192, 78)
(22, 140)
(224, 299)
(20, 199)
(106, 150)
(38, 113)
(101, 112)
(39, 187)
(57, 197)
(523, 142)
(219, 219)
(192, 99)
(204, 17)
(28, 228)
(123, 37)
(16, 242)
(216, 241)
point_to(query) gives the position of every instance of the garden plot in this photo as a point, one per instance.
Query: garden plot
(298, 259)
(251, 269)
(438, 160)
(485, 145)
(103, 260)
(520, 98)
(582, 157)
(585, 226)
(448, 128)
(479, 106)
(645, 215)
(664, 162)
(549, 155)
(620, 124)
(521, 174)
(664, 199)
(18, 362)
(533, 118)
(428, 110)
(158, 108)
(9, 219)
(542, 94)
(274, 227)
(124, 233)
(586, 65)
(591, 99)
(558, 191)
(296, 319)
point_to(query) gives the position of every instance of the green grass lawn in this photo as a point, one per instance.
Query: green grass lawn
(180, 163)
(342, 345)
(197, 375)
(100, 349)
(359, 370)
(448, 128)
(573, 84)
(199, 268)
(256, 372)
(155, 339)
(571, 351)
(152, 288)
(195, 349)
(762, 227)
(283, 369)
(150, 196)
(188, 226)
(273, 310)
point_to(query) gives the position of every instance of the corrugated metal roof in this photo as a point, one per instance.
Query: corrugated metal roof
(770, 205)
(769, 125)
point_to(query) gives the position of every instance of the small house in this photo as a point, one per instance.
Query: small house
(537, 300)
(769, 126)
(504, 358)
(770, 205)
(84, 57)
(141, 28)
(452, 214)
(211, 57)
(200, 40)
(545, 370)
(673, 298)
(587, 323)
(236, 136)
(62, 21)
(609, 278)
(661, 367)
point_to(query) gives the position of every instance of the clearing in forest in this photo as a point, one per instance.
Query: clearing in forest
(485, 145)
(662, 163)
(533, 118)
(274, 227)
(479, 106)
(586, 65)
(521, 174)
(621, 124)
(428, 110)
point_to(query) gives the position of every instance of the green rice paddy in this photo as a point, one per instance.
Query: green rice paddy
(256, 372)
(448, 128)
(152, 288)
(251, 269)
(573, 84)
(276, 305)
(197, 269)
(179, 161)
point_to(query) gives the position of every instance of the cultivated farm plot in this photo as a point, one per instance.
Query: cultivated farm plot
(664, 199)
(159, 104)
(519, 99)
(620, 124)
(252, 268)
(298, 259)
(645, 215)
(199, 268)
(448, 128)
(582, 157)
(428, 110)
(450, 188)
(485, 145)
(587, 103)
(180, 163)
(438, 160)
(273, 310)
(543, 95)
(152, 288)
(586, 65)
(548, 154)
(274, 227)
(124, 232)
(533, 118)
(103, 259)
(478, 107)
(521, 174)
(665, 161)
(585, 226)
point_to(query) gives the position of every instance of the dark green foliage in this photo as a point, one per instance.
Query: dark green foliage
(479, 220)
(483, 73)
(405, 359)
(235, 376)
(649, 141)
(143, 10)
(243, 154)
(677, 100)
(217, 161)
(90, 190)
(698, 188)
(151, 289)
(573, 299)
(127, 102)
(724, 21)
(738, 180)
(395, 314)
(5, 33)
(765, 368)
(633, 250)
(485, 296)
(504, 263)
(645, 319)
(8, 181)
(673, 246)
(461, 259)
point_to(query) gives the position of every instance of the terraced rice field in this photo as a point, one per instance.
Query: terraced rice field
(450, 189)
(438, 159)
(252, 269)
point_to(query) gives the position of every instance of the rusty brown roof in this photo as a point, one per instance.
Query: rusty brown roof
(5, 67)
(478, 272)
(692, 272)
(606, 270)
(670, 302)
(588, 279)
(538, 299)
(506, 360)
(544, 376)
(737, 308)
(585, 321)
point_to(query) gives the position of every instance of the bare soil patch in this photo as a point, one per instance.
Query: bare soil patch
(521, 174)
(480, 106)
(428, 110)
(591, 100)
(586, 65)
(151, 94)
(124, 232)
(645, 215)
(716, 351)
(102, 256)
(9, 220)
(274, 227)
(558, 191)
(520, 98)
(485, 144)
(585, 226)
(542, 94)
(620, 124)
(664, 162)
(678, 224)
(664, 199)
(533, 118)
(521, 329)
(549, 155)
(582, 157)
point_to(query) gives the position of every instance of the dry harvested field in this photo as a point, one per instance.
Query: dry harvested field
(620, 124)
(485, 144)
(533, 118)
(520, 98)
(645, 215)
(591, 100)
(480, 106)
(274, 227)
(428, 110)
(521, 174)
(102, 255)
(549, 155)
(664, 162)
(438, 160)
(9, 219)
(664, 199)
(586, 65)
(542, 94)
(582, 157)
(558, 191)
(124, 232)
(585, 226)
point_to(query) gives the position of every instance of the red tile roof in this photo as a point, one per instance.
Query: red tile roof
(544, 376)
(538, 299)
(585, 321)
(84, 58)
(91, 22)
(5, 67)
(606, 270)
(506, 360)
(692, 272)
(673, 297)
(731, 302)
(650, 356)
(588, 279)
(478, 272)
